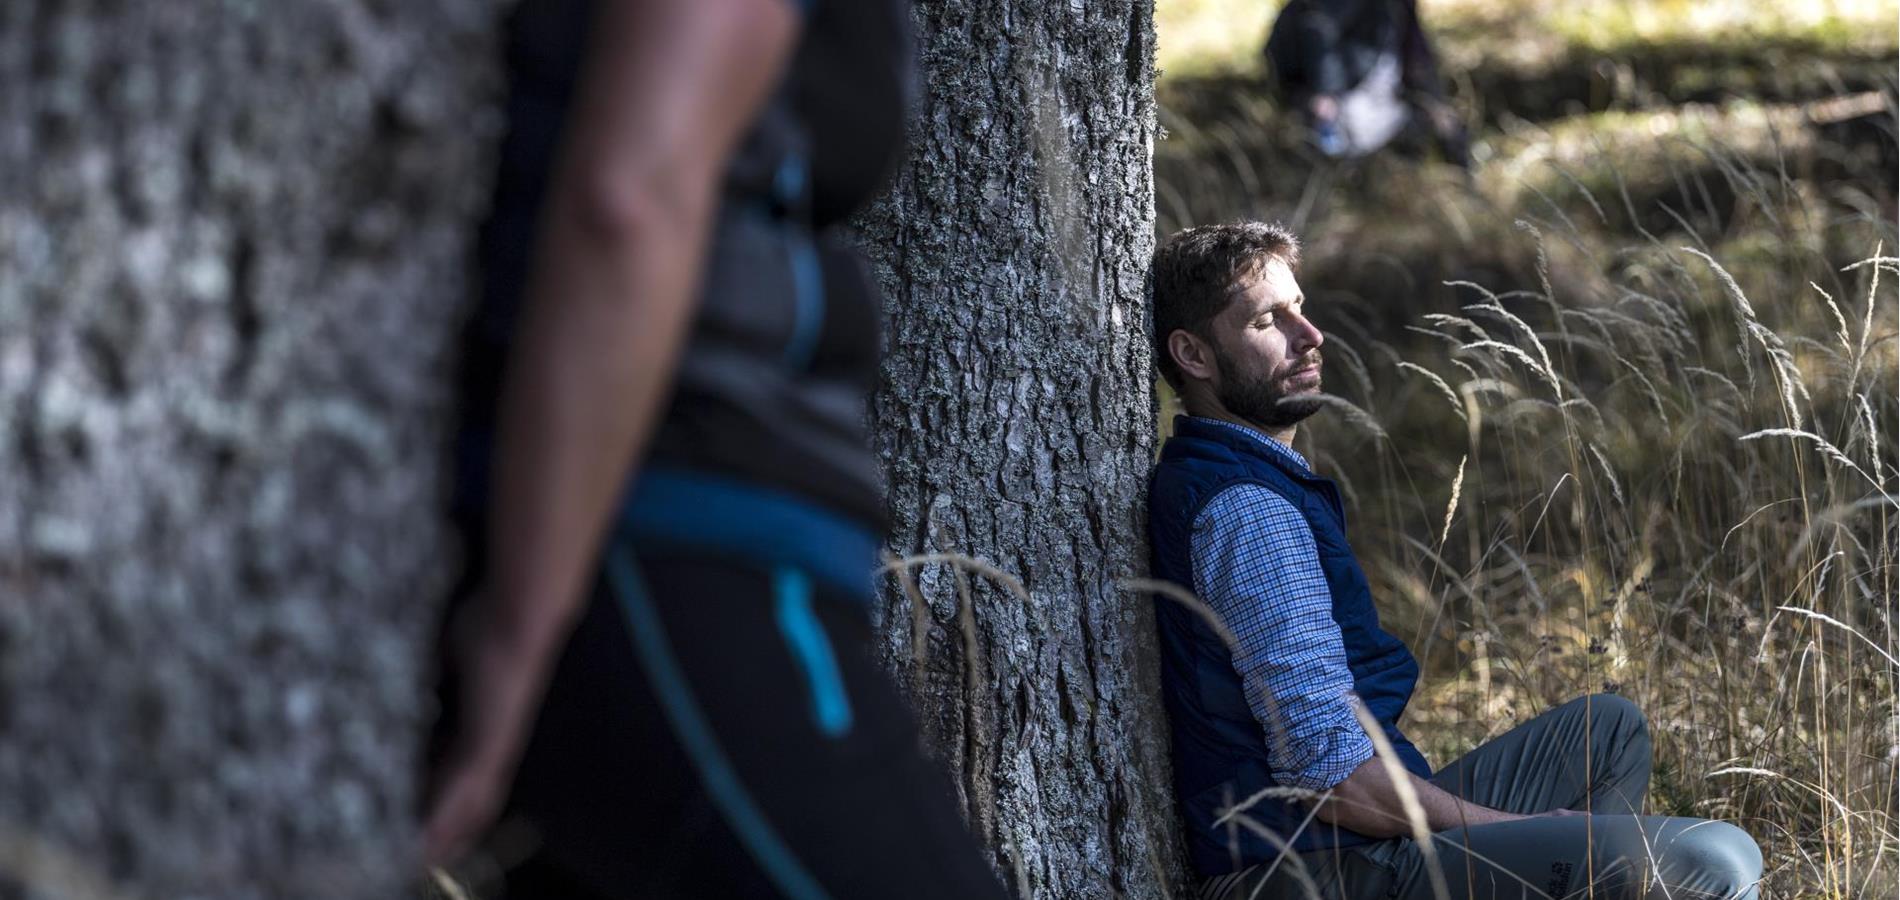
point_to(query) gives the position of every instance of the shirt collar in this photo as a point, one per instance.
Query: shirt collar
(1273, 446)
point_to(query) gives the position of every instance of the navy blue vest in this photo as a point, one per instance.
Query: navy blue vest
(1220, 749)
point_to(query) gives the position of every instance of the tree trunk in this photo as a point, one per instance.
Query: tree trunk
(1016, 425)
(233, 241)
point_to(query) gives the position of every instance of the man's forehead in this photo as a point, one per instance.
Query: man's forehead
(1271, 285)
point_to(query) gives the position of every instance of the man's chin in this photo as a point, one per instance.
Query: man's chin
(1294, 409)
(1297, 406)
(1283, 411)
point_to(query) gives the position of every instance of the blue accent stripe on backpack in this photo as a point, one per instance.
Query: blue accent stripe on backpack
(808, 291)
(808, 276)
(806, 636)
(722, 784)
(788, 182)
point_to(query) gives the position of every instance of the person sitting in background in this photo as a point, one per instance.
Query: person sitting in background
(1274, 771)
(1363, 72)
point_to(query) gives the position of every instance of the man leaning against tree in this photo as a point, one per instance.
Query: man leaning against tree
(1276, 777)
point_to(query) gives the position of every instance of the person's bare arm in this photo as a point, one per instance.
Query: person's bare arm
(669, 92)
(1367, 802)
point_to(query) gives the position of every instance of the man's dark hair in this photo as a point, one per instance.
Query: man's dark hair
(1197, 270)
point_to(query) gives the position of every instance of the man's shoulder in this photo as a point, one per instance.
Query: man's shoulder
(1249, 496)
(1205, 469)
(1190, 477)
(1247, 506)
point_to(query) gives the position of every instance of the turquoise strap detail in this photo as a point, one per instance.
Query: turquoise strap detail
(806, 636)
(677, 508)
(695, 734)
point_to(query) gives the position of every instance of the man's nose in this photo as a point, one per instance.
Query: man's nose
(1303, 336)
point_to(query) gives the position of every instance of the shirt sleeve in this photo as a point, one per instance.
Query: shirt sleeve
(1257, 566)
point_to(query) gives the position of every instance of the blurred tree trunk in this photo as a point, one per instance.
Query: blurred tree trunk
(233, 238)
(1016, 425)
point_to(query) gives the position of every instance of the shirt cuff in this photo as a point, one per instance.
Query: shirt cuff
(1339, 750)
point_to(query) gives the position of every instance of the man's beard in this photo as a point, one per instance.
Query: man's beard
(1264, 400)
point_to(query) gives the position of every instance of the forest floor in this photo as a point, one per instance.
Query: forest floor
(1648, 444)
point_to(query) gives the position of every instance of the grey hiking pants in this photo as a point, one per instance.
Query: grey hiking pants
(1589, 754)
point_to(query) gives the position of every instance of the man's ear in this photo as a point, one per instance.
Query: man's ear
(1192, 355)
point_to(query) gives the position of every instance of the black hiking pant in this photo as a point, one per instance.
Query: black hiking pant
(719, 730)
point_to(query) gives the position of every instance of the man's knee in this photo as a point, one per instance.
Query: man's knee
(1712, 859)
(1618, 720)
(1688, 858)
(1612, 708)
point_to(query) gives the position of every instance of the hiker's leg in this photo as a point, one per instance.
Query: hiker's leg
(1592, 753)
(713, 731)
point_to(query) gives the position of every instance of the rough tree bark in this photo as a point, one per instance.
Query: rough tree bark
(1016, 425)
(233, 238)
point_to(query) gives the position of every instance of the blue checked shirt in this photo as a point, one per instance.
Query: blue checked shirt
(1257, 566)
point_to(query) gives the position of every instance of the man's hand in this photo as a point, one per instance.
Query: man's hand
(1367, 802)
(1559, 814)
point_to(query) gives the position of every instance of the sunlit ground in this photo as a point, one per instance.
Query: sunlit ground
(1202, 36)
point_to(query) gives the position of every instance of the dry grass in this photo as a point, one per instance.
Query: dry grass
(1708, 527)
